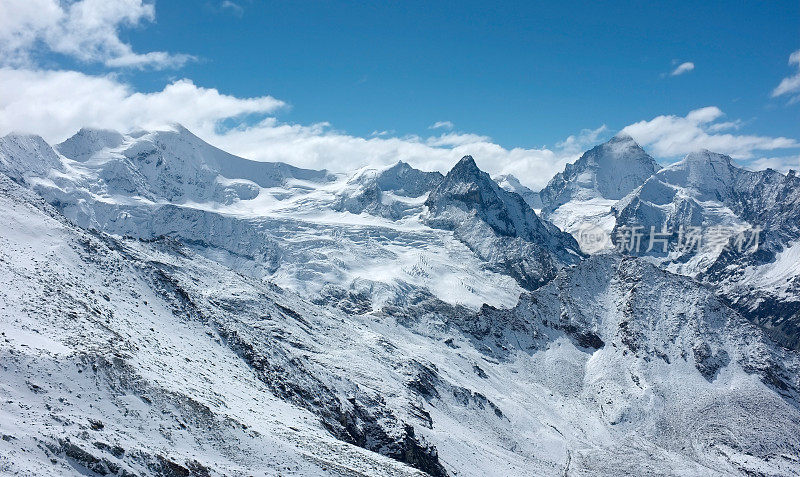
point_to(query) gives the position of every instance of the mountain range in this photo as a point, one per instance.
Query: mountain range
(172, 309)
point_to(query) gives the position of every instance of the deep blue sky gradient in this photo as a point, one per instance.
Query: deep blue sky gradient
(525, 73)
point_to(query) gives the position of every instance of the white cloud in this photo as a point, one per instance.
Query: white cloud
(55, 104)
(442, 125)
(683, 68)
(235, 8)
(582, 141)
(791, 84)
(87, 30)
(725, 125)
(669, 136)
(782, 164)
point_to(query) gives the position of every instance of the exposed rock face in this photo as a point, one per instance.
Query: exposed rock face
(706, 190)
(144, 329)
(499, 225)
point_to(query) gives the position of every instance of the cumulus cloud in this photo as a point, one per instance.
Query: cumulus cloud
(442, 125)
(670, 136)
(790, 85)
(55, 104)
(87, 30)
(582, 141)
(782, 164)
(682, 68)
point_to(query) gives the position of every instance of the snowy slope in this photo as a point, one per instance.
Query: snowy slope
(105, 369)
(172, 351)
(24, 156)
(145, 357)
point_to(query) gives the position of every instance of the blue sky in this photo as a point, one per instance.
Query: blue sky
(524, 75)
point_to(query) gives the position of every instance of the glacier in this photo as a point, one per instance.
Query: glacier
(171, 309)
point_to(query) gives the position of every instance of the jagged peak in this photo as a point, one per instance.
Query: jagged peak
(622, 136)
(466, 168)
(399, 167)
(466, 161)
(704, 156)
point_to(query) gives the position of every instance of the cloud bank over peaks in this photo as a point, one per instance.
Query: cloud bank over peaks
(55, 104)
(670, 136)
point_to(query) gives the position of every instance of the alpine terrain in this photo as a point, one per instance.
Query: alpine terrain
(171, 309)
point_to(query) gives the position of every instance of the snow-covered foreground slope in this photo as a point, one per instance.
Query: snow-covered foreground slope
(108, 369)
(145, 357)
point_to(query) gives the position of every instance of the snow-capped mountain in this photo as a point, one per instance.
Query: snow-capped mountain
(142, 358)
(510, 183)
(176, 166)
(393, 192)
(608, 171)
(174, 310)
(579, 199)
(707, 190)
(356, 241)
(89, 141)
(499, 226)
(23, 155)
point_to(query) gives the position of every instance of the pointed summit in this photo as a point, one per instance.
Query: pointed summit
(466, 161)
(498, 225)
(608, 171)
(622, 136)
(465, 166)
(467, 184)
